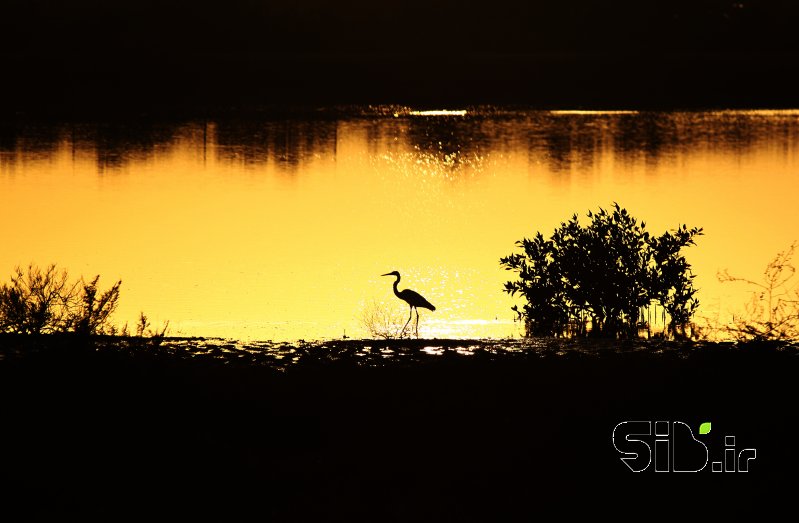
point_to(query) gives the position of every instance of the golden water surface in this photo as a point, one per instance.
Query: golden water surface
(280, 229)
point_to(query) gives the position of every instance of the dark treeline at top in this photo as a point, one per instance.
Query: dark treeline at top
(430, 26)
(88, 56)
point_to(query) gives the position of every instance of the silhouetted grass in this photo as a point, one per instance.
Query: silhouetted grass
(773, 312)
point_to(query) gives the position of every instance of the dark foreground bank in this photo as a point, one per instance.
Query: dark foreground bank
(385, 431)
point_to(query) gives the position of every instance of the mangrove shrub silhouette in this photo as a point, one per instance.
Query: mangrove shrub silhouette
(606, 274)
(773, 312)
(44, 301)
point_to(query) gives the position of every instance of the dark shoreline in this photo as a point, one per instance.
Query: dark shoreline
(491, 432)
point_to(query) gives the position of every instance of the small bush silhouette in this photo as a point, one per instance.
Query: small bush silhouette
(605, 275)
(92, 312)
(144, 329)
(773, 312)
(380, 321)
(44, 301)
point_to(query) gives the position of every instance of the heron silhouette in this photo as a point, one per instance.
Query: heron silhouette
(413, 299)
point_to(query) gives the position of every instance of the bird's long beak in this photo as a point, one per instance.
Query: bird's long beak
(387, 274)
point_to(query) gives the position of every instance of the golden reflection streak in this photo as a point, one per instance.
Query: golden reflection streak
(439, 112)
(757, 112)
(572, 112)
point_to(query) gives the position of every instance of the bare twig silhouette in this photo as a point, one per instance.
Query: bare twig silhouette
(773, 311)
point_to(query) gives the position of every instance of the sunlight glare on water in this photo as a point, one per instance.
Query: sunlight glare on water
(440, 112)
(281, 229)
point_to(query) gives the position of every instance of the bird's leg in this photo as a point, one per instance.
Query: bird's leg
(417, 323)
(407, 322)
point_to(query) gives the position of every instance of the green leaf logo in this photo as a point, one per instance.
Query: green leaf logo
(704, 428)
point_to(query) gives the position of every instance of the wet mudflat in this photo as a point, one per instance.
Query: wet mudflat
(381, 430)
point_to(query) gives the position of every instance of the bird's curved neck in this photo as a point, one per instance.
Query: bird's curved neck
(396, 291)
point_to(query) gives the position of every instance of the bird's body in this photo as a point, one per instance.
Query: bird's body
(413, 299)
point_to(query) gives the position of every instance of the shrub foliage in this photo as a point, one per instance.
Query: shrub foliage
(44, 301)
(604, 274)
